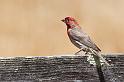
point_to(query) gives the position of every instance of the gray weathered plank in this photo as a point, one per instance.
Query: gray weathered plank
(58, 69)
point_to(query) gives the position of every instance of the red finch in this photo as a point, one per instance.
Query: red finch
(80, 39)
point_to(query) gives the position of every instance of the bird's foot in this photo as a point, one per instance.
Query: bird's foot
(86, 50)
(78, 52)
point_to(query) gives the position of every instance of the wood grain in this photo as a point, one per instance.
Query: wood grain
(59, 69)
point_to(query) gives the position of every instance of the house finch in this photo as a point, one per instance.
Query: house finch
(80, 39)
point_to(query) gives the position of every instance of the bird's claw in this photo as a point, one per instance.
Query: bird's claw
(86, 50)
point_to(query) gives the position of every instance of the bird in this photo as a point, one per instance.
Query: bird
(80, 39)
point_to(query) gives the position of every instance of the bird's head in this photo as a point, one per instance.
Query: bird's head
(70, 22)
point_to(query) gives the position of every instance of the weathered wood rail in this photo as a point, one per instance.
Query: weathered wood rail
(59, 69)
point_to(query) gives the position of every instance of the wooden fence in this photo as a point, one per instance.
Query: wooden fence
(59, 69)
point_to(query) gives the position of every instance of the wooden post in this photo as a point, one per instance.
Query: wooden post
(99, 68)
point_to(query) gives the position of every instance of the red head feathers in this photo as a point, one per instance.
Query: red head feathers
(70, 22)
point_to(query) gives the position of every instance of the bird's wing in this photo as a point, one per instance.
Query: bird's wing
(91, 44)
(78, 35)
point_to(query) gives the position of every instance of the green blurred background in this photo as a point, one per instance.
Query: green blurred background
(33, 27)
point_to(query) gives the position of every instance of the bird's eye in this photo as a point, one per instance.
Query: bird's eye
(67, 20)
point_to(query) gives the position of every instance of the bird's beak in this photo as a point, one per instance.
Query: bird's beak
(63, 20)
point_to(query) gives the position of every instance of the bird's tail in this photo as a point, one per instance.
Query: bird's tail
(100, 56)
